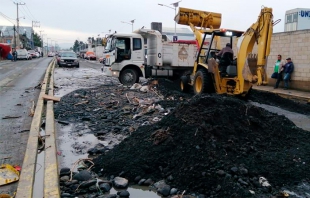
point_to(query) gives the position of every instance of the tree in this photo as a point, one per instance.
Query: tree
(76, 45)
(37, 40)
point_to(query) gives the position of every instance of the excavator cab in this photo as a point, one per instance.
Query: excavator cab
(228, 74)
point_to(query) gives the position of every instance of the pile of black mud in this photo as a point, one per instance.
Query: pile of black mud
(215, 145)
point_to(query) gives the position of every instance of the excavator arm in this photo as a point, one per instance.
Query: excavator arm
(202, 19)
(254, 65)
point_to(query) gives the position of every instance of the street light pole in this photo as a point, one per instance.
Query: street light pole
(175, 5)
(47, 45)
(131, 23)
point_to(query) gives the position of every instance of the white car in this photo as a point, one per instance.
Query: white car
(22, 54)
(38, 55)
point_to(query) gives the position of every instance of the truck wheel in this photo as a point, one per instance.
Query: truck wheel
(203, 82)
(185, 87)
(129, 77)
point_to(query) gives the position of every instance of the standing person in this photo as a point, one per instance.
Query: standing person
(14, 55)
(288, 70)
(279, 67)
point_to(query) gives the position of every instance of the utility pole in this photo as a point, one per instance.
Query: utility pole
(14, 36)
(34, 24)
(41, 38)
(17, 20)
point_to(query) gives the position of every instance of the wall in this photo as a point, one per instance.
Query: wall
(296, 45)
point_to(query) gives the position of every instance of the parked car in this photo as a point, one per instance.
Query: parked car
(29, 56)
(38, 55)
(68, 59)
(22, 54)
(90, 56)
(50, 54)
(33, 53)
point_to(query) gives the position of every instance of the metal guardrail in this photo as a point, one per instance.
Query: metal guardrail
(27, 176)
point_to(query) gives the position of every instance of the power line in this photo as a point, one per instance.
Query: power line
(30, 12)
(25, 12)
(7, 18)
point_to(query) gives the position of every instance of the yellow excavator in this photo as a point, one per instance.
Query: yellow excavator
(227, 74)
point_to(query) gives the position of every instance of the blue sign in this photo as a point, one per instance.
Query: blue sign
(8, 41)
(304, 13)
(175, 38)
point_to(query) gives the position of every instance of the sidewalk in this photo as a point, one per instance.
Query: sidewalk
(290, 93)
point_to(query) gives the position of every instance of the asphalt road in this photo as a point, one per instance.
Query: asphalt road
(17, 91)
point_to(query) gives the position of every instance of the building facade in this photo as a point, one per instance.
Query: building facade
(297, 19)
(23, 39)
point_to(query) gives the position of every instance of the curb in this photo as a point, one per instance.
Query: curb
(51, 176)
(27, 176)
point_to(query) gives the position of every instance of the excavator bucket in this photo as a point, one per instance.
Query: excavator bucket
(198, 18)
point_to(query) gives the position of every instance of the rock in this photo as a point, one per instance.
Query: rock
(83, 175)
(170, 178)
(164, 190)
(173, 191)
(107, 196)
(66, 195)
(93, 188)
(64, 178)
(159, 184)
(137, 179)
(141, 182)
(234, 169)
(201, 196)
(218, 188)
(63, 122)
(228, 176)
(86, 119)
(87, 184)
(105, 187)
(64, 171)
(243, 171)
(148, 182)
(221, 172)
(242, 182)
(124, 193)
(92, 151)
(120, 182)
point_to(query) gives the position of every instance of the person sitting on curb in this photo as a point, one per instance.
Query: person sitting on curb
(289, 68)
(279, 67)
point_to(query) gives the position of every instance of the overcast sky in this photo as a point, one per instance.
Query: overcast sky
(67, 20)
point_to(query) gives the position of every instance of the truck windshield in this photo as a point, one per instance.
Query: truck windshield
(109, 45)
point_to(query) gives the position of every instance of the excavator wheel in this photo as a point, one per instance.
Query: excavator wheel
(203, 82)
(185, 87)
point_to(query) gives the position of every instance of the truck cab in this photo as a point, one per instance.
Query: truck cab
(126, 52)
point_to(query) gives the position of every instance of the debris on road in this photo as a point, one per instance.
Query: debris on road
(11, 117)
(22, 131)
(8, 174)
(48, 97)
(32, 109)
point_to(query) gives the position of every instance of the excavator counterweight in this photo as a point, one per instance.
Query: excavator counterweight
(198, 18)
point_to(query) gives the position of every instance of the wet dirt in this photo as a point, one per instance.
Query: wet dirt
(214, 145)
(76, 138)
(217, 146)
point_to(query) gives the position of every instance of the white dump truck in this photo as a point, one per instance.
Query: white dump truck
(147, 53)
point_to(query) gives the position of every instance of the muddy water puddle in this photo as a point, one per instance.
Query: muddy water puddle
(300, 120)
(73, 143)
